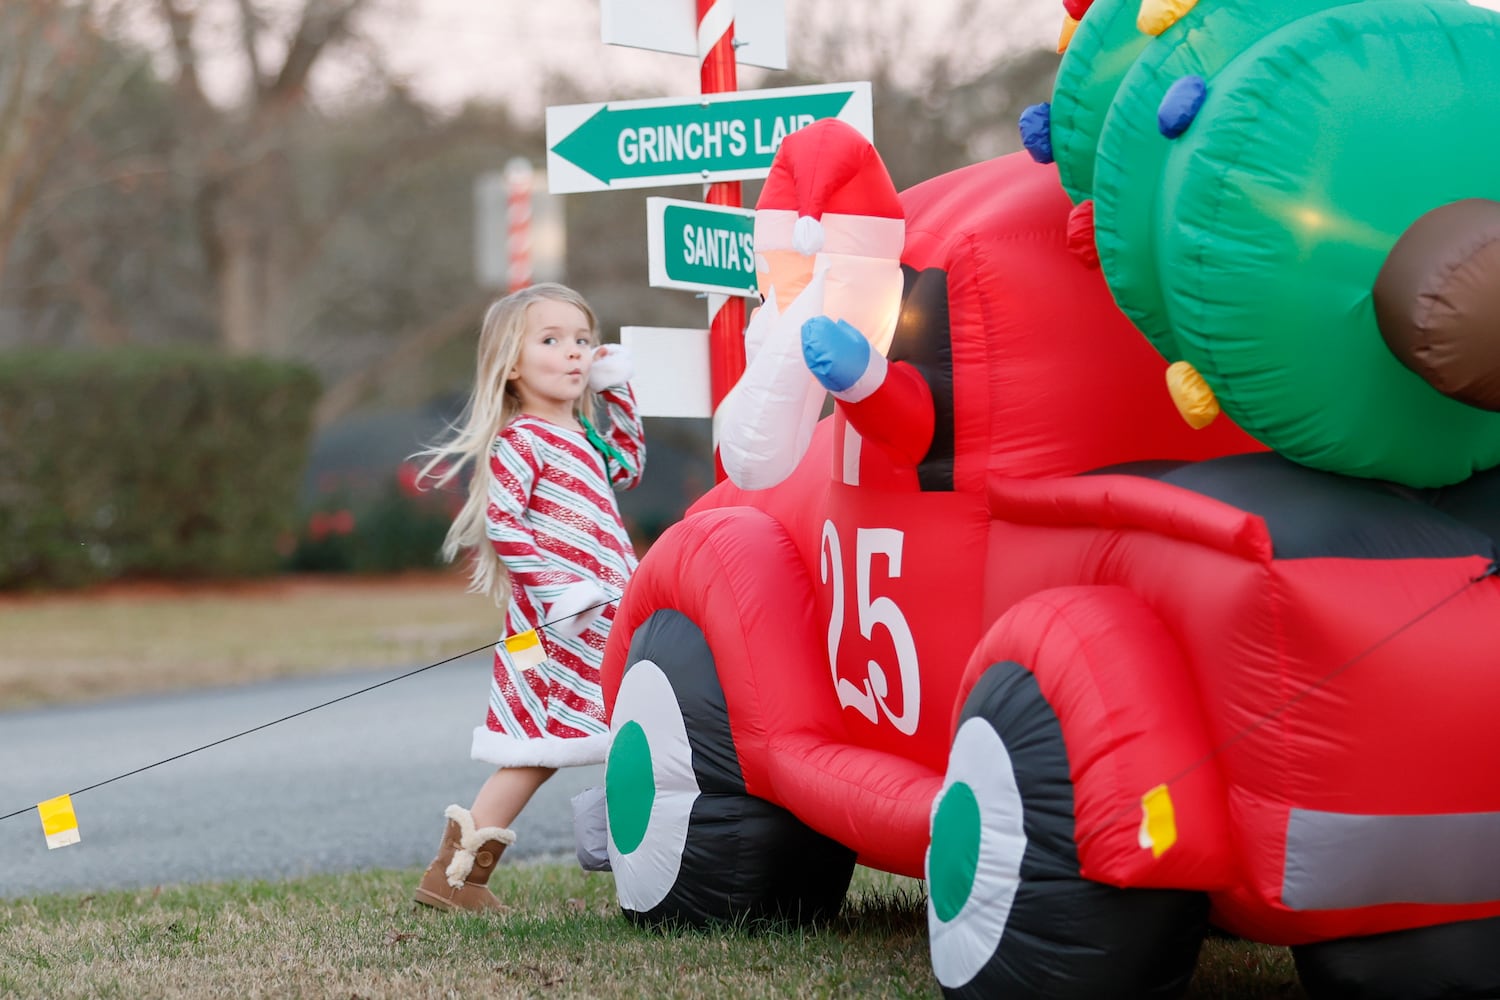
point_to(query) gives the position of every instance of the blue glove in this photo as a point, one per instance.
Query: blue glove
(836, 353)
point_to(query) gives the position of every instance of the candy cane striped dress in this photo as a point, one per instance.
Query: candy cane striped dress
(554, 522)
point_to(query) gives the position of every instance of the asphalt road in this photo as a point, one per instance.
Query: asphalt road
(358, 784)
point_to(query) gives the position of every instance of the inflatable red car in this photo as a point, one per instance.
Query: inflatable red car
(1098, 678)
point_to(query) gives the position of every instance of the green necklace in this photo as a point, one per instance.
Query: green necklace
(604, 448)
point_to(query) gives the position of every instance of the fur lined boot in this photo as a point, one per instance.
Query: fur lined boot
(458, 877)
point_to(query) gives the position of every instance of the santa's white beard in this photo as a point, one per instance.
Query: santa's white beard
(765, 423)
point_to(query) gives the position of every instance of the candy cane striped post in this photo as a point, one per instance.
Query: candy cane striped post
(518, 222)
(726, 313)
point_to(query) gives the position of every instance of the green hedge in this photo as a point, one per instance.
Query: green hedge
(147, 463)
(367, 523)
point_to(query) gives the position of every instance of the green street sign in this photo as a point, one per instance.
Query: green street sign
(715, 137)
(701, 248)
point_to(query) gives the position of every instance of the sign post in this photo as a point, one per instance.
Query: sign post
(726, 323)
(719, 139)
(518, 238)
(518, 219)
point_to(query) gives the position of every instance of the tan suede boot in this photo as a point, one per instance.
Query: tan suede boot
(458, 877)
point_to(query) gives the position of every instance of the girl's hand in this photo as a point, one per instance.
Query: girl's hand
(576, 608)
(613, 365)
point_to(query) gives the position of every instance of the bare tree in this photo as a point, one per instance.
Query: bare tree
(268, 222)
(261, 220)
(238, 161)
(948, 89)
(51, 80)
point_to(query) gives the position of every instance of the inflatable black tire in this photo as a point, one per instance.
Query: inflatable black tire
(1448, 961)
(687, 844)
(1008, 913)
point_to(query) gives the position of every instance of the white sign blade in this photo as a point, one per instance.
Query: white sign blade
(671, 371)
(686, 140)
(698, 247)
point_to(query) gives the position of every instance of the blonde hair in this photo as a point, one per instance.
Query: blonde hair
(492, 405)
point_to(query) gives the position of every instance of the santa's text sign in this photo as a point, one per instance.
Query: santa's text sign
(701, 248)
(714, 137)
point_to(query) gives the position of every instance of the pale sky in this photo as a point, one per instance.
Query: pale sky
(452, 49)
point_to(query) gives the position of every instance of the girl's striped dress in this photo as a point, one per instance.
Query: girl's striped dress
(554, 522)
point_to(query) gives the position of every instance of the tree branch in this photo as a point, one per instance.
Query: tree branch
(14, 71)
(376, 174)
(180, 24)
(101, 321)
(54, 91)
(250, 24)
(320, 25)
(412, 346)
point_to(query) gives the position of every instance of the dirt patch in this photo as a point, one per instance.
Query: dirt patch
(154, 636)
(285, 587)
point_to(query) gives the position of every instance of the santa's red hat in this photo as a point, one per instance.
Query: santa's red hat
(829, 191)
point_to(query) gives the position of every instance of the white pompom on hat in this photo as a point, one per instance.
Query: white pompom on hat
(828, 191)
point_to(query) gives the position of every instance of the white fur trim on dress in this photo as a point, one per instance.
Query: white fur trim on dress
(470, 840)
(503, 750)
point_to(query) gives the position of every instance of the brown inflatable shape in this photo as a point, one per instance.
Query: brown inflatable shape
(1437, 300)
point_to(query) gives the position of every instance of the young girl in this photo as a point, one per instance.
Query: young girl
(549, 546)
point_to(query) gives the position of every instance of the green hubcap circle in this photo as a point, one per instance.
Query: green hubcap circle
(955, 851)
(629, 787)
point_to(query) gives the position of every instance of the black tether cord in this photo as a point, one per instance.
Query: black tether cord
(1491, 571)
(284, 718)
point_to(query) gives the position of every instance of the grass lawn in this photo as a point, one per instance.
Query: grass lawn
(357, 936)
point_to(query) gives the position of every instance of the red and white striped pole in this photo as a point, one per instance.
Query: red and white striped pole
(726, 313)
(518, 222)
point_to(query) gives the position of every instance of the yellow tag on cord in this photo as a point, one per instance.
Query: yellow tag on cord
(59, 822)
(525, 649)
(1158, 821)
